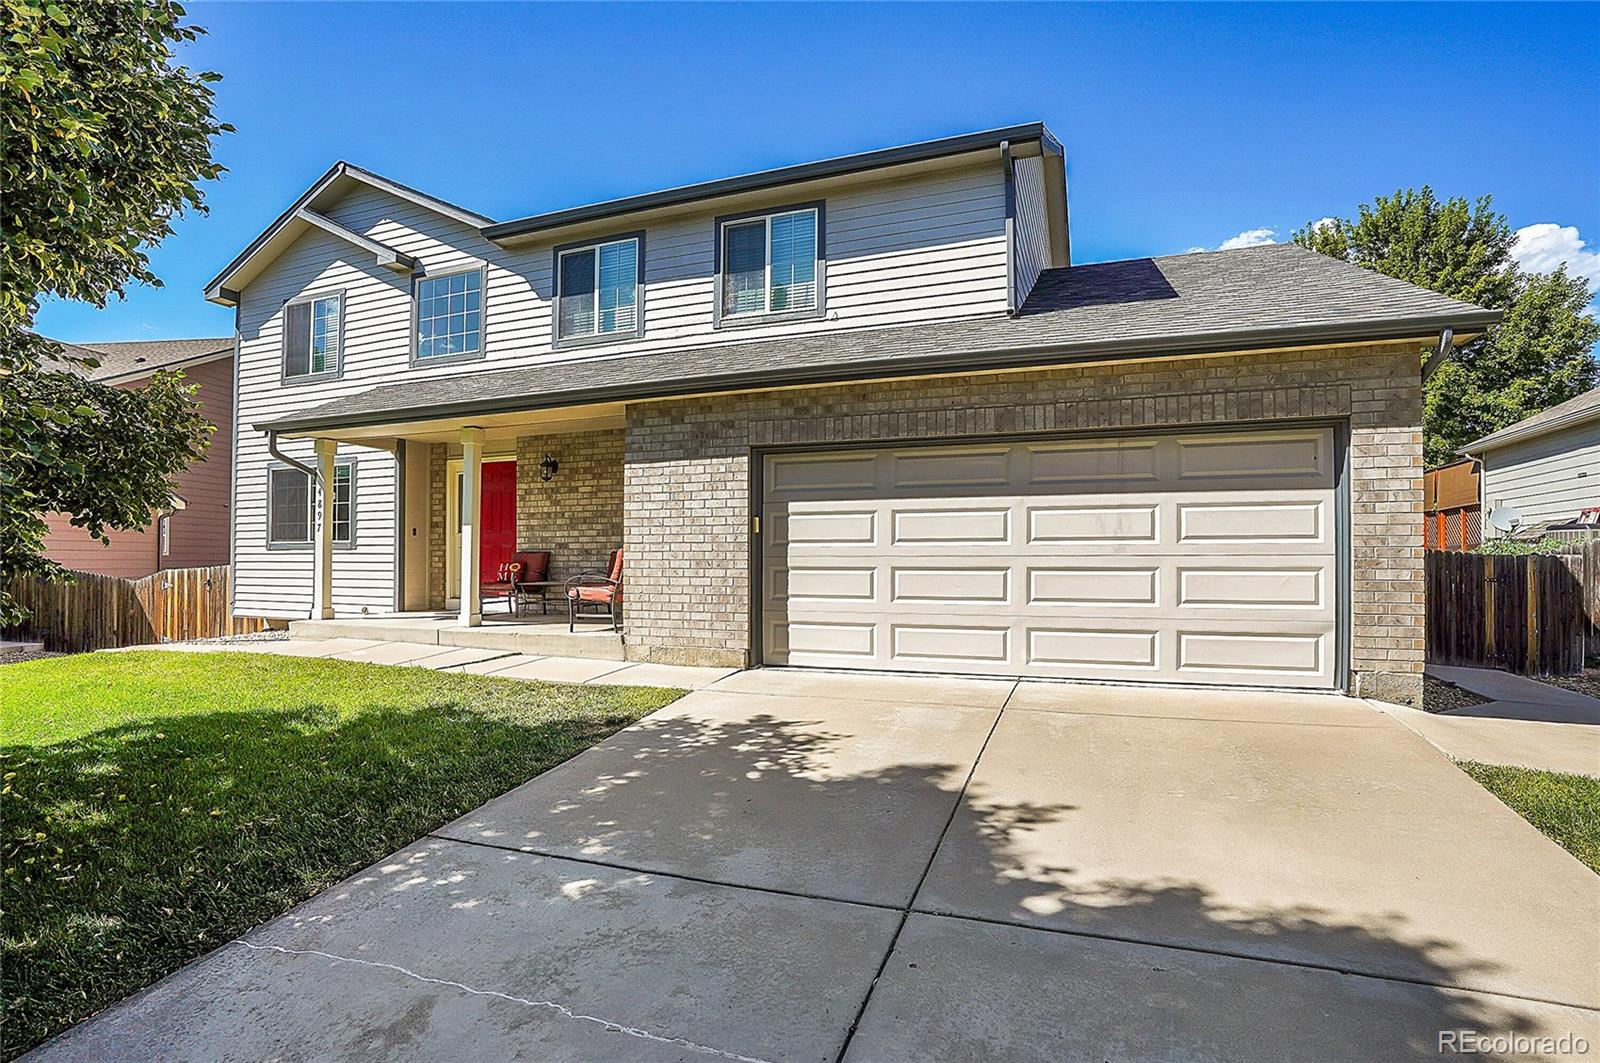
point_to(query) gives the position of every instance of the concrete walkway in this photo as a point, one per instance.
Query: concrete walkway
(808, 866)
(503, 663)
(1526, 724)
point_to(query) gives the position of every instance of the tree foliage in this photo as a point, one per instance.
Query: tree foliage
(107, 141)
(1539, 355)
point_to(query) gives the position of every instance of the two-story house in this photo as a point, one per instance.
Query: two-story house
(858, 413)
(195, 531)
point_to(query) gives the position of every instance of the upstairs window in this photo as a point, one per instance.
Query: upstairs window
(770, 264)
(450, 316)
(312, 336)
(597, 290)
(291, 506)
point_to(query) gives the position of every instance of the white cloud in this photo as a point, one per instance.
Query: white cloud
(1250, 238)
(1542, 248)
(1322, 223)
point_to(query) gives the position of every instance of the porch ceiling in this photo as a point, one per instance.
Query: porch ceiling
(497, 427)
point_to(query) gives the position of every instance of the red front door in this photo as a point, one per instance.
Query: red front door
(498, 538)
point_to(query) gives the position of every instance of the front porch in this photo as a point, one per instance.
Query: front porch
(536, 634)
(543, 490)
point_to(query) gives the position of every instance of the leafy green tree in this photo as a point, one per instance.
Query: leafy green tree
(107, 140)
(1539, 355)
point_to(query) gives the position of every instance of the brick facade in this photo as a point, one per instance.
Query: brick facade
(577, 516)
(686, 476)
(438, 514)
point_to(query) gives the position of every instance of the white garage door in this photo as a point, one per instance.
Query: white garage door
(1177, 558)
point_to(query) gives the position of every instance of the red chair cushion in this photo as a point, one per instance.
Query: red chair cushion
(535, 566)
(616, 566)
(592, 594)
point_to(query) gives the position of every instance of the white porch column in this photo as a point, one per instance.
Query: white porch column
(322, 541)
(471, 525)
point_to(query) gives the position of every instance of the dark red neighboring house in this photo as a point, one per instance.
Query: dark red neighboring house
(196, 533)
(1451, 516)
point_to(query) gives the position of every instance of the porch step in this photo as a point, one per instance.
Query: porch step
(535, 639)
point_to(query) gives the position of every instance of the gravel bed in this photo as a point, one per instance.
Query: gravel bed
(1586, 683)
(1439, 696)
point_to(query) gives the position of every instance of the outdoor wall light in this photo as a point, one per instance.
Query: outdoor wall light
(548, 467)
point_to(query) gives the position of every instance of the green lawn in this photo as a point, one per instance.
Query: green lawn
(1565, 807)
(157, 804)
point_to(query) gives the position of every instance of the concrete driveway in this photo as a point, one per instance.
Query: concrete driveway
(807, 866)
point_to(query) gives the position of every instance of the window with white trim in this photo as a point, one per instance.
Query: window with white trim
(450, 315)
(291, 506)
(164, 534)
(597, 290)
(769, 264)
(312, 336)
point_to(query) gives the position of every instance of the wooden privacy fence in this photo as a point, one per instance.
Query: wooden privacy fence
(96, 612)
(1531, 615)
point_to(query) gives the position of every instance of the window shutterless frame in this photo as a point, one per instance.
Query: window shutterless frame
(313, 298)
(768, 317)
(588, 339)
(276, 469)
(419, 359)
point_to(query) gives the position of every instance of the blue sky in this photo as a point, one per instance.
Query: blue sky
(1184, 126)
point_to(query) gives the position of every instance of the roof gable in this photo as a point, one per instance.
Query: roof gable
(305, 213)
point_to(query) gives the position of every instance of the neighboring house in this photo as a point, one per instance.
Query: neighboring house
(1544, 468)
(1451, 516)
(195, 532)
(857, 413)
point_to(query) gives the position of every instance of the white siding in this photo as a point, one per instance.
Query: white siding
(1032, 227)
(898, 252)
(1547, 479)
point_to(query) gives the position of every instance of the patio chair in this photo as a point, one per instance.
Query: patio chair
(532, 581)
(504, 584)
(601, 590)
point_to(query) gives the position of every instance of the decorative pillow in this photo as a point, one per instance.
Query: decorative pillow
(509, 571)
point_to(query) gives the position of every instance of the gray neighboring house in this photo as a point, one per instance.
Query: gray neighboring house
(1546, 467)
(859, 413)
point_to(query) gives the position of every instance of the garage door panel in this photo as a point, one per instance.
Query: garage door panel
(980, 467)
(1202, 558)
(982, 586)
(1289, 458)
(1090, 465)
(1083, 523)
(1262, 654)
(1302, 521)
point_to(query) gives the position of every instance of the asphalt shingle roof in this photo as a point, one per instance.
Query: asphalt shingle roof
(1577, 410)
(1274, 295)
(143, 356)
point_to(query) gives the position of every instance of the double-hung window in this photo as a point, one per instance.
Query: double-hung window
(312, 336)
(597, 290)
(450, 316)
(291, 506)
(770, 264)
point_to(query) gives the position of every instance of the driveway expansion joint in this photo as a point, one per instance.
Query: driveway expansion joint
(1231, 954)
(638, 869)
(905, 913)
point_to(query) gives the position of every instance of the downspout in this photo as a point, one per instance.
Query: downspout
(1439, 356)
(272, 448)
(1011, 228)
